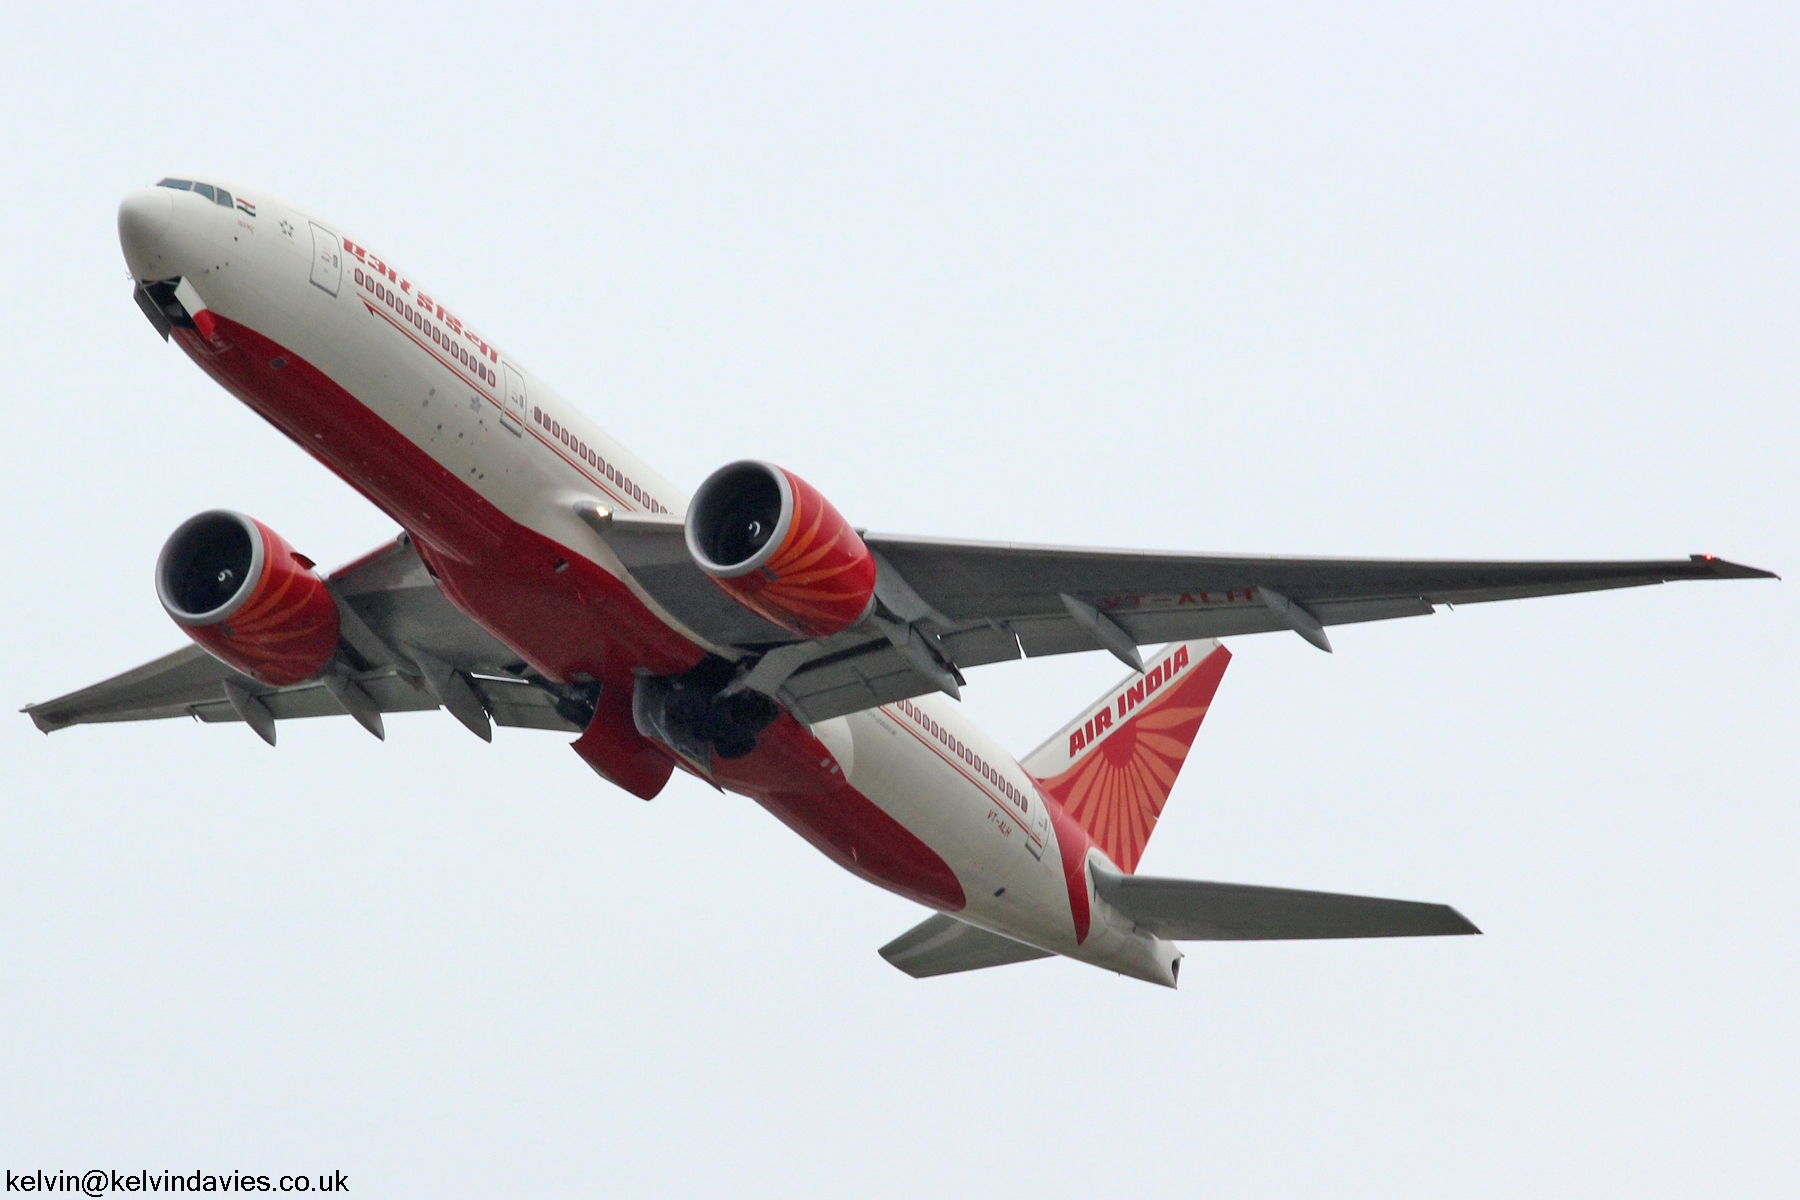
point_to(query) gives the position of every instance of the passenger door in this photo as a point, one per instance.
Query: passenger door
(512, 402)
(1037, 818)
(328, 260)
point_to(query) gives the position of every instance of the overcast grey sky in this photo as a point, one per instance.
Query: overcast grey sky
(1506, 281)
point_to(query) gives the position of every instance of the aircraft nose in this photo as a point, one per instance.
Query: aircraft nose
(144, 218)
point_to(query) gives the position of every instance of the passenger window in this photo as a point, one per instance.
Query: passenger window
(180, 185)
(224, 197)
(204, 189)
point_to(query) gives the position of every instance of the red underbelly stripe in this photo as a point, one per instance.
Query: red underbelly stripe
(580, 620)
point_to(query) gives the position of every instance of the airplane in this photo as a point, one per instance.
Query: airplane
(544, 577)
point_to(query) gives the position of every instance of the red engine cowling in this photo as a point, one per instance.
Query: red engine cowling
(238, 589)
(779, 548)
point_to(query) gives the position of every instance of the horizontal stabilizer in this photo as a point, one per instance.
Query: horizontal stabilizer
(1191, 910)
(943, 945)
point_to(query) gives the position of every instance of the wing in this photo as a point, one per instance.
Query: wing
(405, 649)
(1193, 910)
(943, 945)
(949, 605)
(1160, 597)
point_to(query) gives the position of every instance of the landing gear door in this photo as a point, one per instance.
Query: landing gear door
(512, 402)
(328, 260)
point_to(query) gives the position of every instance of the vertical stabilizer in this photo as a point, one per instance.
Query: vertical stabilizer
(1113, 766)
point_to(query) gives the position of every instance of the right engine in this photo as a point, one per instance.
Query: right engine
(771, 542)
(239, 590)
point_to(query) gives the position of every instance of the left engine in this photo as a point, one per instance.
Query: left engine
(237, 588)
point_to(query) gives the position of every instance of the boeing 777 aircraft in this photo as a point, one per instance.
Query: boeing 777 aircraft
(546, 578)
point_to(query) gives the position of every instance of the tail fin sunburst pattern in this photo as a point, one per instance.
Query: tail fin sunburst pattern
(1112, 767)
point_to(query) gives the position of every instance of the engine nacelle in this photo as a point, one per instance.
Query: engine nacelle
(243, 593)
(779, 548)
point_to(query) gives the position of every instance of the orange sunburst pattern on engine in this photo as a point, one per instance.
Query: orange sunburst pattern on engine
(821, 579)
(286, 630)
(1123, 772)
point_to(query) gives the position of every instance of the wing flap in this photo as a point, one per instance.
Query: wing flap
(1198, 911)
(868, 676)
(943, 945)
(391, 693)
(518, 704)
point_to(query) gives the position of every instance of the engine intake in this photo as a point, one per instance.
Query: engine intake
(779, 548)
(239, 590)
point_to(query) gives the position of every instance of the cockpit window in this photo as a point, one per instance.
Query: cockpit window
(218, 196)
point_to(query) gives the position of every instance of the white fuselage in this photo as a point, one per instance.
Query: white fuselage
(515, 444)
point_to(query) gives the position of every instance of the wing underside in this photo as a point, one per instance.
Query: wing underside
(952, 605)
(406, 649)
